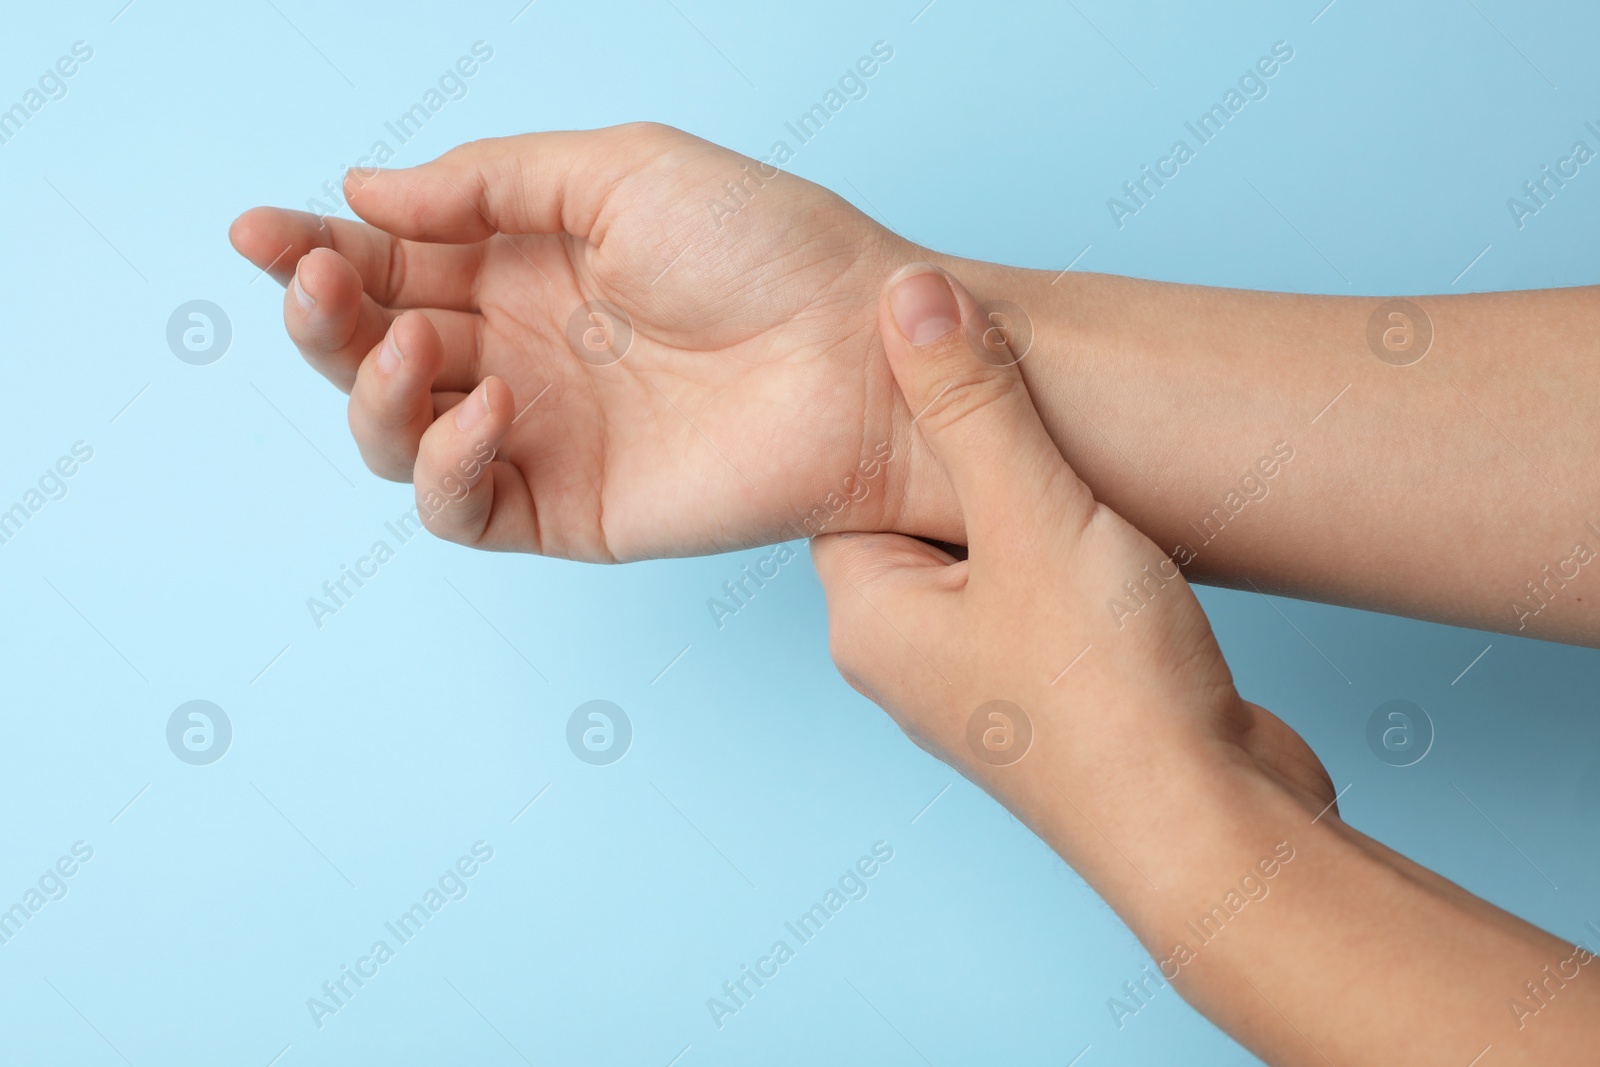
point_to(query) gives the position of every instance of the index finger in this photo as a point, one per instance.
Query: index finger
(396, 273)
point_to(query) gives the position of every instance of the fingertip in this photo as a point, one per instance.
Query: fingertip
(415, 343)
(502, 407)
(357, 180)
(485, 414)
(324, 277)
(922, 313)
(323, 312)
(240, 232)
(500, 396)
(251, 235)
(403, 367)
(923, 303)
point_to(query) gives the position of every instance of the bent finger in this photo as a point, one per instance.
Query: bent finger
(335, 325)
(395, 272)
(534, 183)
(392, 403)
(463, 494)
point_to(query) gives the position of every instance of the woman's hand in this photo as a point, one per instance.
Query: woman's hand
(1066, 667)
(1066, 641)
(665, 344)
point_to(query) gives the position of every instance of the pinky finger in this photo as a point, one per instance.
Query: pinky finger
(463, 495)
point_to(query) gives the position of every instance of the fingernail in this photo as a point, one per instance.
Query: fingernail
(302, 297)
(923, 304)
(389, 355)
(474, 408)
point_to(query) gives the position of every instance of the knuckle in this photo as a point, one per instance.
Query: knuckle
(647, 129)
(433, 508)
(638, 143)
(475, 149)
(969, 392)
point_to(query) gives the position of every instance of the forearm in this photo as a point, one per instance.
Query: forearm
(1459, 488)
(1203, 819)
(1305, 940)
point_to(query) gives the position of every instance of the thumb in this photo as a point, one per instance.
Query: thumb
(966, 394)
(533, 183)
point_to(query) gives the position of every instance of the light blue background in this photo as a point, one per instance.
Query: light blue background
(375, 751)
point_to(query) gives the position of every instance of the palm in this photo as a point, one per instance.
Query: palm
(744, 395)
(746, 400)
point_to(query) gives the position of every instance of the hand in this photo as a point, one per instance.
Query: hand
(1101, 701)
(745, 409)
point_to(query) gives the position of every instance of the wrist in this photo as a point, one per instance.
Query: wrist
(1166, 823)
(1030, 314)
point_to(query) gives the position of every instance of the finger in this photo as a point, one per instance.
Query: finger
(335, 325)
(972, 407)
(394, 272)
(463, 495)
(884, 602)
(392, 404)
(327, 318)
(534, 183)
(883, 563)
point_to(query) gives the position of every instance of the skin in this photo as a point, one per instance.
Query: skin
(764, 374)
(730, 416)
(1146, 771)
(753, 327)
